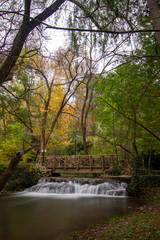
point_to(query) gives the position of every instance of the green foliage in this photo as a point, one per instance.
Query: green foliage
(125, 97)
(11, 140)
(25, 176)
(133, 188)
(108, 15)
(71, 149)
(138, 182)
(149, 181)
(114, 171)
(115, 218)
(127, 109)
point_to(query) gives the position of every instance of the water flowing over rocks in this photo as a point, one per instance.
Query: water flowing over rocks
(80, 186)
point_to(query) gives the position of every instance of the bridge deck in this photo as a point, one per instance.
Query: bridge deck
(81, 163)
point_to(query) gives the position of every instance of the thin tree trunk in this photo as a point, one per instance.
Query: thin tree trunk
(44, 122)
(136, 159)
(149, 160)
(86, 107)
(114, 134)
(155, 16)
(84, 140)
(42, 153)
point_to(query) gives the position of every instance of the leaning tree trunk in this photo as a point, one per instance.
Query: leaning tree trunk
(16, 158)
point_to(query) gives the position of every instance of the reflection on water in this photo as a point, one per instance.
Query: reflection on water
(29, 216)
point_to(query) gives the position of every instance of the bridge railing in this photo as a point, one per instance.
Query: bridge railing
(81, 162)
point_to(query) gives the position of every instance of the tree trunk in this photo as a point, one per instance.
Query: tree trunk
(42, 153)
(136, 159)
(149, 160)
(84, 140)
(16, 158)
(35, 142)
(155, 16)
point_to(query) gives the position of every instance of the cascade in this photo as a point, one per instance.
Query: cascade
(80, 186)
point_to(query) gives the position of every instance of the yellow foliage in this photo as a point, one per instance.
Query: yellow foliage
(62, 128)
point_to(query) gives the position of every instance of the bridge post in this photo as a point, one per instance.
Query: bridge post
(65, 163)
(77, 162)
(90, 162)
(102, 159)
(54, 164)
(112, 160)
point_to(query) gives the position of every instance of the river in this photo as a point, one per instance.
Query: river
(49, 216)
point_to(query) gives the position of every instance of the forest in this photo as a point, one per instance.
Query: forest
(97, 94)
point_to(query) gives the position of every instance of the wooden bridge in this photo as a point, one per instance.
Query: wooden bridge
(81, 163)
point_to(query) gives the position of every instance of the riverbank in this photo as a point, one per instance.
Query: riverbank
(142, 224)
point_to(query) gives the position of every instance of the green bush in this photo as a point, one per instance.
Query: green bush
(133, 188)
(142, 172)
(149, 181)
(25, 176)
(114, 171)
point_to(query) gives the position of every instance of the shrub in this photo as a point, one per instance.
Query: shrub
(114, 171)
(142, 172)
(24, 176)
(149, 181)
(133, 188)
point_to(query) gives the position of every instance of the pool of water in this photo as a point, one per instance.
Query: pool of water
(35, 216)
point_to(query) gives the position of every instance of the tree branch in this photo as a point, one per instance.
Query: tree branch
(127, 117)
(24, 30)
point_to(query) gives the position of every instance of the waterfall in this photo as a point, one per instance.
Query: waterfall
(80, 186)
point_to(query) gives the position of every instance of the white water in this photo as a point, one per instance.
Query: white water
(79, 187)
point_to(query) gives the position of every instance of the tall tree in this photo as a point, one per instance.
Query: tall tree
(59, 80)
(135, 105)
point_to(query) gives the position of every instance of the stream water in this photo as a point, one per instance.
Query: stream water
(50, 214)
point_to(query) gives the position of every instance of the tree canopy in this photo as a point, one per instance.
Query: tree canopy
(115, 17)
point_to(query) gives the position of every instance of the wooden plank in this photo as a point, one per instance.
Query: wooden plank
(65, 163)
(78, 163)
(68, 170)
(102, 159)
